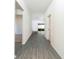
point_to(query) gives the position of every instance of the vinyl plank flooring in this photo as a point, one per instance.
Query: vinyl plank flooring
(34, 54)
(37, 47)
(29, 54)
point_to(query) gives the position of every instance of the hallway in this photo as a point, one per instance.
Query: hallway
(37, 47)
(37, 23)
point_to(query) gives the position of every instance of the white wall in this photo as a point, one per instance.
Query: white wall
(36, 18)
(27, 26)
(19, 12)
(27, 22)
(57, 26)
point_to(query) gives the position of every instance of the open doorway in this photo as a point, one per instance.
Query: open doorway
(18, 28)
(41, 28)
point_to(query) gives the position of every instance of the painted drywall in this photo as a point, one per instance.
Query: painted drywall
(36, 19)
(27, 22)
(56, 9)
(38, 5)
(18, 24)
(27, 25)
(37, 16)
(19, 12)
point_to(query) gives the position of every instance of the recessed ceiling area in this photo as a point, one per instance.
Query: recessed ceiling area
(38, 6)
(17, 6)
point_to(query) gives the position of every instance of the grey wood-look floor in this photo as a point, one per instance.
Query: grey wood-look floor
(37, 47)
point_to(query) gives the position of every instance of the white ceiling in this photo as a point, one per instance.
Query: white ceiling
(38, 6)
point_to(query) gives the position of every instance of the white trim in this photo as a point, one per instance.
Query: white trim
(55, 49)
(20, 2)
(24, 42)
(15, 56)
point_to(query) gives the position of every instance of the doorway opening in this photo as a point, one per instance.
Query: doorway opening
(18, 27)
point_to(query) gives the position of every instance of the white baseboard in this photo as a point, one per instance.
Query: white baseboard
(23, 43)
(56, 50)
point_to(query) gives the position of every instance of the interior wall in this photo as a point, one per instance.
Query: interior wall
(19, 12)
(27, 22)
(18, 24)
(27, 25)
(56, 9)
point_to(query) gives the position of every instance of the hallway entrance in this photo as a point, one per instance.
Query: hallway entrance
(18, 27)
